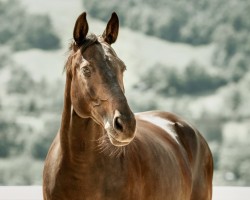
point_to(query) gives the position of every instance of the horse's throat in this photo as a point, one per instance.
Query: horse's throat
(83, 135)
(77, 135)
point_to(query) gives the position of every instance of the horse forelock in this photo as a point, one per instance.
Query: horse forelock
(73, 47)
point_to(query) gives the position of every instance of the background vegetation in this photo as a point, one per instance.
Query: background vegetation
(226, 25)
(23, 31)
(214, 94)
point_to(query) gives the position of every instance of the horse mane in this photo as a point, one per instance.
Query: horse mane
(73, 47)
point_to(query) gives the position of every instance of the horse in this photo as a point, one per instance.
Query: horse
(104, 151)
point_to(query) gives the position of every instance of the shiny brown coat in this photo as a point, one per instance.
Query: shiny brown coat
(105, 152)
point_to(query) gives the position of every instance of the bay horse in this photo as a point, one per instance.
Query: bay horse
(103, 151)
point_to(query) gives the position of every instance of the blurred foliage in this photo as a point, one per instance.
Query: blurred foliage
(29, 120)
(24, 31)
(20, 171)
(233, 163)
(168, 81)
(8, 129)
(193, 21)
(40, 143)
(30, 109)
(20, 81)
(225, 23)
(4, 57)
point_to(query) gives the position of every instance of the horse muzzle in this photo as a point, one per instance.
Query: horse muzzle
(122, 130)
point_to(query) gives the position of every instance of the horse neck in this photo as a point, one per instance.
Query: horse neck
(77, 135)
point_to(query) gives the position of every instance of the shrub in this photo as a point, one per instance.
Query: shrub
(41, 142)
(37, 32)
(23, 31)
(20, 171)
(20, 81)
(168, 81)
(197, 80)
(4, 57)
(10, 142)
(234, 160)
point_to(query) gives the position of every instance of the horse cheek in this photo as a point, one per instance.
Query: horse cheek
(79, 101)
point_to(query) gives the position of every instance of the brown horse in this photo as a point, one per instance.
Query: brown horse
(104, 151)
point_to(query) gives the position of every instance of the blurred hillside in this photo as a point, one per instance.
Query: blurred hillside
(188, 58)
(212, 90)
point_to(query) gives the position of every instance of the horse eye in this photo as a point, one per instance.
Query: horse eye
(86, 71)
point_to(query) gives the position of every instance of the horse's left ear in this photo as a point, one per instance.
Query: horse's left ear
(81, 29)
(111, 32)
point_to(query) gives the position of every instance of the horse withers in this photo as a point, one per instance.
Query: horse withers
(105, 151)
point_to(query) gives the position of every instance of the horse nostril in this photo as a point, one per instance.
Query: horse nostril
(118, 124)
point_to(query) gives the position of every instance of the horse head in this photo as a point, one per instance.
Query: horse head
(97, 89)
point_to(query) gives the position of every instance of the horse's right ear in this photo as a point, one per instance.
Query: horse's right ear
(81, 29)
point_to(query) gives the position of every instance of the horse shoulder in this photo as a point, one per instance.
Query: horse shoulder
(193, 147)
(160, 144)
(179, 131)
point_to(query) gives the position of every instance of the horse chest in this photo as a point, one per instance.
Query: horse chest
(115, 178)
(93, 181)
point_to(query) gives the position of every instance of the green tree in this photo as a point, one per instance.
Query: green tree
(23, 31)
(9, 142)
(20, 82)
(234, 158)
(168, 81)
(33, 34)
(41, 142)
(4, 57)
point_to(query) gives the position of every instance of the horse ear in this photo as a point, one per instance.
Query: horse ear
(111, 32)
(81, 29)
